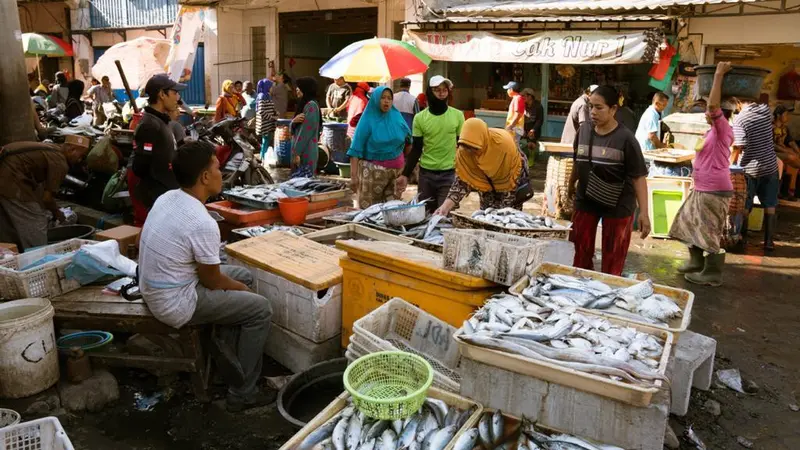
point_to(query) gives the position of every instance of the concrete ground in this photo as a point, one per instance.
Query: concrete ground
(754, 317)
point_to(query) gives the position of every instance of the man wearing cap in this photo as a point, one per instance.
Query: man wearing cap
(30, 176)
(435, 132)
(154, 142)
(515, 120)
(405, 102)
(579, 112)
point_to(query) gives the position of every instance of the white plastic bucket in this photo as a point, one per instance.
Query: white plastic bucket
(28, 353)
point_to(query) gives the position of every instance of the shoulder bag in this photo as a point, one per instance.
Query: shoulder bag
(524, 191)
(606, 193)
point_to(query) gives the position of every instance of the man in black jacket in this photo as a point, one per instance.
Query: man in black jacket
(153, 141)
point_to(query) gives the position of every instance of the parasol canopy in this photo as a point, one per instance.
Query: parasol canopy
(378, 60)
(141, 58)
(35, 44)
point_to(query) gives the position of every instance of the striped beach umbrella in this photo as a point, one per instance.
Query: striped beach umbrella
(377, 60)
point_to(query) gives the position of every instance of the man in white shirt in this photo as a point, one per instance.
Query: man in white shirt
(405, 102)
(182, 281)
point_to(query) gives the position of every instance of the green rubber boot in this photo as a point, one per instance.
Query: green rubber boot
(712, 272)
(695, 262)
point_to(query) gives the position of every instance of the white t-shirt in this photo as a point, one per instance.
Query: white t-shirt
(178, 235)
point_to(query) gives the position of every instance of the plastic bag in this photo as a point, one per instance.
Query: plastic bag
(93, 262)
(102, 158)
(116, 184)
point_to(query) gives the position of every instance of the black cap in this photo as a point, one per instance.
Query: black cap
(513, 85)
(161, 82)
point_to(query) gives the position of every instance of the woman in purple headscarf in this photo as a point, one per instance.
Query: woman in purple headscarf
(266, 116)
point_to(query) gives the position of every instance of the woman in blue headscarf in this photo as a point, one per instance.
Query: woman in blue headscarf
(376, 153)
(266, 116)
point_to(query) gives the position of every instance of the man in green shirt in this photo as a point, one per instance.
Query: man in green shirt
(435, 132)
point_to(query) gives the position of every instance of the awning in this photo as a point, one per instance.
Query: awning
(544, 19)
(552, 47)
(526, 8)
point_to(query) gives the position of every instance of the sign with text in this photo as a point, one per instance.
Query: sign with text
(552, 47)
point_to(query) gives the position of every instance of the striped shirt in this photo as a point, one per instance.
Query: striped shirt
(265, 117)
(752, 130)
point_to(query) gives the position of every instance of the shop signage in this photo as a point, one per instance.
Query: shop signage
(555, 47)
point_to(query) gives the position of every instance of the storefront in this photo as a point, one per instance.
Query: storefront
(557, 64)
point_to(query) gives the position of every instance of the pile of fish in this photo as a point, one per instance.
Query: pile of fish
(429, 230)
(259, 230)
(638, 301)
(261, 193)
(311, 185)
(490, 435)
(514, 218)
(565, 337)
(432, 428)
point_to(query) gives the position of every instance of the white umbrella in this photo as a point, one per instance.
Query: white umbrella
(141, 58)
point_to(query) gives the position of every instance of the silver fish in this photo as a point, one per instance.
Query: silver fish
(442, 438)
(375, 430)
(388, 440)
(485, 430)
(397, 426)
(353, 432)
(369, 445)
(439, 409)
(467, 440)
(427, 425)
(497, 427)
(320, 434)
(409, 432)
(452, 416)
(340, 433)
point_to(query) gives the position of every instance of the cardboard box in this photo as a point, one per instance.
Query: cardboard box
(124, 235)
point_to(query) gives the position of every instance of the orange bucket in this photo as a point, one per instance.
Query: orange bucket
(293, 210)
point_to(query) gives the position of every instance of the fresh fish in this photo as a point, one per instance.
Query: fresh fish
(426, 443)
(397, 426)
(369, 445)
(467, 440)
(465, 416)
(353, 432)
(442, 438)
(497, 426)
(409, 432)
(320, 434)
(340, 434)
(388, 441)
(452, 416)
(375, 430)
(439, 409)
(485, 431)
(427, 425)
(639, 290)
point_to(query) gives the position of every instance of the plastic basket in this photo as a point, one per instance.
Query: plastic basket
(388, 385)
(44, 281)
(399, 325)
(8, 417)
(40, 434)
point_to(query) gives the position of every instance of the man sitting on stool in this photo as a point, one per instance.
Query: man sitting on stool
(182, 281)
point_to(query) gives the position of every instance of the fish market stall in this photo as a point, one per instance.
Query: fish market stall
(376, 271)
(513, 221)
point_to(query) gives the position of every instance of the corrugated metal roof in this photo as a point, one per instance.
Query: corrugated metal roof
(514, 8)
(132, 13)
(480, 19)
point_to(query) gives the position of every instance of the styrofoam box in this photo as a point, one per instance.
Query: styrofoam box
(314, 315)
(297, 353)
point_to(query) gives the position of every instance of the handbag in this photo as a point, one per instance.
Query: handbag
(524, 190)
(606, 193)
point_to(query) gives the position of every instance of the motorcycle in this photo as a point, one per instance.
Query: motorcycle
(239, 159)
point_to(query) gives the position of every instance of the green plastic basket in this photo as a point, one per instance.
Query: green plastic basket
(388, 385)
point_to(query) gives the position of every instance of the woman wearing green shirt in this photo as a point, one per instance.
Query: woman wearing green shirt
(435, 133)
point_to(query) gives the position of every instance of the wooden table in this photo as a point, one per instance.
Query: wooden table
(89, 309)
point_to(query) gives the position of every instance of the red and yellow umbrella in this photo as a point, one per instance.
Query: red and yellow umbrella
(378, 60)
(35, 44)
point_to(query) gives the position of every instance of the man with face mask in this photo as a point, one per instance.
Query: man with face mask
(435, 132)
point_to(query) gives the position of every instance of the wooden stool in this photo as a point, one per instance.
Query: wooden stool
(89, 309)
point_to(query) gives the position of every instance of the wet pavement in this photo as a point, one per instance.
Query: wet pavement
(754, 317)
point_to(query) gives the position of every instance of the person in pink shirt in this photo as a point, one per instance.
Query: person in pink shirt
(700, 222)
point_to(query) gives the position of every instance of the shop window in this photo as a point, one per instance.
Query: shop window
(258, 46)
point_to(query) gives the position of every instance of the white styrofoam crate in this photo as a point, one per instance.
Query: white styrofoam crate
(297, 353)
(40, 434)
(314, 315)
